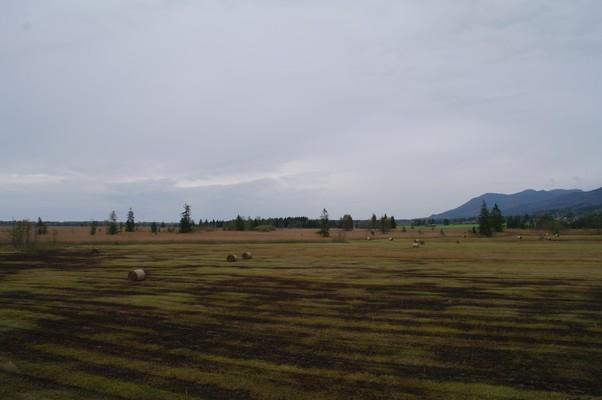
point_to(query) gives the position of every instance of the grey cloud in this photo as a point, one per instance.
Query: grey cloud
(400, 107)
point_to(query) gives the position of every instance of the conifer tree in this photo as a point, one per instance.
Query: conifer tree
(384, 223)
(113, 228)
(130, 224)
(239, 223)
(373, 221)
(497, 219)
(185, 224)
(324, 224)
(484, 221)
(393, 223)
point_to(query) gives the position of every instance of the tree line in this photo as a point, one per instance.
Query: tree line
(187, 224)
(489, 222)
(549, 222)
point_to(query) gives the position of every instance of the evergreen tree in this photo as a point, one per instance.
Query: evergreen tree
(392, 222)
(347, 222)
(497, 219)
(185, 224)
(130, 224)
(484, 221)
(154, 228)
(384, 223)
(324, 224)
(373, 221)
(113, 227)
(239, 223)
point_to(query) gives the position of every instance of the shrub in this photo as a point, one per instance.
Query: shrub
(21, 235)
(347, 222)
(265, 228)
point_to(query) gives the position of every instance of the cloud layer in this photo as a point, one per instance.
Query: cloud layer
(283, 108)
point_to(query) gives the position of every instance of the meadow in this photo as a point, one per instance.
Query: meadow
(306, 318)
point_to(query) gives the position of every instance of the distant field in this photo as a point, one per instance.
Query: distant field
(494, 318)
(82, 235)
(143, 235)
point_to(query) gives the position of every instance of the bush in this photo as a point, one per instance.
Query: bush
(265, 228)
(347, 222)
(21, 235)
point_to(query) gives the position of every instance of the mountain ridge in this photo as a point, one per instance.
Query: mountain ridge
(529, 201)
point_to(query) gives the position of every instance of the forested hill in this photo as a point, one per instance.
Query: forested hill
(530, 202)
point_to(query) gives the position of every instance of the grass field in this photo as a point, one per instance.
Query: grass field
(79, 235)
(484, 318)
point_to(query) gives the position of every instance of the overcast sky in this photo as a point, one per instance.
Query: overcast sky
(275, 108)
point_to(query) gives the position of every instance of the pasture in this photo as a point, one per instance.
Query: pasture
(485, 319)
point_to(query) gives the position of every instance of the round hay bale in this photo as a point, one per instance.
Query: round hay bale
(231, 258)
(247, 255)
(368, 238)
(137, 275)
(415, 245)
(390, 239)
(8, 366)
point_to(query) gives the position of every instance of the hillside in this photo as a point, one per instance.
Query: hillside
(530, 202)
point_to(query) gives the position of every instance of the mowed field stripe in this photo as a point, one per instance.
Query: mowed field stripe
(339, 321)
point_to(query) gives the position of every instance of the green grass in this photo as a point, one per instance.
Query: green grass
(483, 319)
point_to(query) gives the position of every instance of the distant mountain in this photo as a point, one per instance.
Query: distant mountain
(530, 202)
